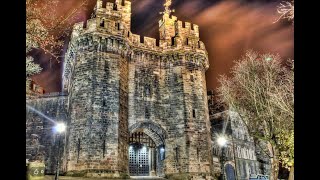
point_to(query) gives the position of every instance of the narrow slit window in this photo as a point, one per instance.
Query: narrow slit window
(128, 34)
(172, 41)
(147, 112)
(102, 23)
(103, 148)
(194, 113)
(115, 8)
(187, 41)
(147, 90)
(118, 26)
(85, 24)
(198, 154)
(104, 3)
(78, 150)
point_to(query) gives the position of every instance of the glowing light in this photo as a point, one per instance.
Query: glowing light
(268, 58)
(60, 127)
(222, 141)
(144, 148)
(161, 149)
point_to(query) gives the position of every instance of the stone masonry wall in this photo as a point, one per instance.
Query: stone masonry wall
(98, 112)
(41, 141)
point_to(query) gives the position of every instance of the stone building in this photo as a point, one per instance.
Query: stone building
(241, 156)
(36, 88)
(133, 105)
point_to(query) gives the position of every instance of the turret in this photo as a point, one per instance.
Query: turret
(167, 26)
(115, 15)
(177, 34)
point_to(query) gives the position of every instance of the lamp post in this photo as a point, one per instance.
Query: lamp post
(222, 141)
(59, 129)
(234, 157)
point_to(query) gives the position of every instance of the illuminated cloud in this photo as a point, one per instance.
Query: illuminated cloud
(227, 28)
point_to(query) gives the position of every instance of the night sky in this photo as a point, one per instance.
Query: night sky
(228, 29)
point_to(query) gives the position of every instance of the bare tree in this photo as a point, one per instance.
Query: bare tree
(286, 10)
(261, 91)
(44, 29)
(45, 26)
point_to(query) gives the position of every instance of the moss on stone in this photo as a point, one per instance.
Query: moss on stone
(35, 177)
(178, 176)
(105, 174)
(187, 176)
(76, 173)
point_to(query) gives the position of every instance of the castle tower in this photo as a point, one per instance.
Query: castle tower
(126, 94)
(95, 75)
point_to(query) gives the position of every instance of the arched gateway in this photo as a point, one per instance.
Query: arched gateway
(146, 149)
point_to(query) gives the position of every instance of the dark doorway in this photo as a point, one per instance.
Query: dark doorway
(142, 159)
(230, 173)
(139, 160)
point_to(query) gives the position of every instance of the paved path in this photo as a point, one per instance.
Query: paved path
(78, 178)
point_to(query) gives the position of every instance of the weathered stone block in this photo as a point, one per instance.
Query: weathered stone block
(35, 171)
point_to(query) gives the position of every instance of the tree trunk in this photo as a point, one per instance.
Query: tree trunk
(291, 175)
(274, 164)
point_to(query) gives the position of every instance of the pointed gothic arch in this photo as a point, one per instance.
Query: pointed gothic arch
(153, 130)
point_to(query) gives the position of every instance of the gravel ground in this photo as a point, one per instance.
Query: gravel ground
(78, 178)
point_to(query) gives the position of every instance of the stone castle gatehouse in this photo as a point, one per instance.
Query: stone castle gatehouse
(134, 106)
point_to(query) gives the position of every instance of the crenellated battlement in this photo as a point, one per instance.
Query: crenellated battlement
(142, 42)
(181, 25)
(109, 31)
(118, 11)
(113, 19)
(119, 5)
(188, 28)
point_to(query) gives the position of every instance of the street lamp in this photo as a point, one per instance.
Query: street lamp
(59, 129)
(222, 141)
